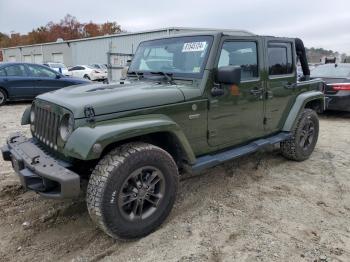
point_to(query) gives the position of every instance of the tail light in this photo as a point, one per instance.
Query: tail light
(340, 86)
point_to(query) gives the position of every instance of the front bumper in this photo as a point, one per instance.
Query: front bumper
(95, 77)
(38, 171)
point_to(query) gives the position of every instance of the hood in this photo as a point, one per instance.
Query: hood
(106, 99)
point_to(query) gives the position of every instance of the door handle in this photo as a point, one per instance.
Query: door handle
(217, 91)
(290, 85)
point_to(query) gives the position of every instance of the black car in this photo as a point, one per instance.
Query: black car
(24, 81)
(337, 89)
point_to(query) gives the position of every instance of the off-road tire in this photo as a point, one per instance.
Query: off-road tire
(106, 184)
(291, 148)
(4, 95)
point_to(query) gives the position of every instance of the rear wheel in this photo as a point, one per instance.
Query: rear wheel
(3, 97)
(304, 137)
(132, 190)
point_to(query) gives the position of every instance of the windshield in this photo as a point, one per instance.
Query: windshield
(330, 70)
(180, 56)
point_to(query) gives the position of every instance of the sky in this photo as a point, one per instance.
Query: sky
(320, 23)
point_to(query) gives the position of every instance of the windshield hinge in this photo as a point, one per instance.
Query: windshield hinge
(265, 121)
(89, 112)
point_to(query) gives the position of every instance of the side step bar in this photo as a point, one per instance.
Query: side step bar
(207, 161)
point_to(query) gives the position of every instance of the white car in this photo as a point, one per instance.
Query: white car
(100, 66)
(88, 72)
(59, 67)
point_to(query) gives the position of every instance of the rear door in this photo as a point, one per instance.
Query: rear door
(45, 79)
(237, 115)
(281, 84)
(17, 81)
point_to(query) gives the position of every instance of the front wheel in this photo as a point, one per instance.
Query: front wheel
(304, 137)
(132, 190)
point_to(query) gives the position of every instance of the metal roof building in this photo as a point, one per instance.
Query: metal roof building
(88, 50)
(113, 50)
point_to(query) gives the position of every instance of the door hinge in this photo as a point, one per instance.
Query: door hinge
(212, 133)
(265, 121)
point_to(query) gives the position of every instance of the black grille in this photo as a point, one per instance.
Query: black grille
(46, 124)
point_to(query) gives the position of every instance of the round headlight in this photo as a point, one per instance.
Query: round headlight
(32, 116)
(66, 127)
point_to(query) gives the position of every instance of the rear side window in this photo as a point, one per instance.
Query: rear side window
(243, 54)
(280, 58)
(15, 70)
(75, 68)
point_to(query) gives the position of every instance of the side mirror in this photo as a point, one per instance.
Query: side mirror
(229, 75)
(58, 76)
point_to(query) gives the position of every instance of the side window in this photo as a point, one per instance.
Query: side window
(2, 72)
(280, 58)
(15, 70)
(40, 71)
(243, 54)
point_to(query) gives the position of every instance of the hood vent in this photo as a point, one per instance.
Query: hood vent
(108, 87)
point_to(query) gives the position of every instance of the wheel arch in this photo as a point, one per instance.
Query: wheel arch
(155, 129)
(5, 90)
(164, 139)
(312, 99)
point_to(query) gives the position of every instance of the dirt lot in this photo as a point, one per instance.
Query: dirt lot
(261, 208)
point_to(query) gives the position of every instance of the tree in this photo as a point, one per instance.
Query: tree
(68, 28)
(110, 28)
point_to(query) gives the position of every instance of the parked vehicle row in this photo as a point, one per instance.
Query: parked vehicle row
(93, 72)
(24, 81)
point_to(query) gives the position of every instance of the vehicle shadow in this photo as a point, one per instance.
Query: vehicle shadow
(18, 103)
(334, 115)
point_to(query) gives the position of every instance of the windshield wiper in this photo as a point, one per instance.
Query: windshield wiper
(139, 75)
(168, 76)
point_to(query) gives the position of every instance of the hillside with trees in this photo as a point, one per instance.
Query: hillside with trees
(315, 55)
(67, 29)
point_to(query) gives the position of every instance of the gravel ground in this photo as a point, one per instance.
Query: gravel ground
(260, 208)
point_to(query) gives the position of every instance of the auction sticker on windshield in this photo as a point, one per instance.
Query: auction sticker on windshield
(194, 47)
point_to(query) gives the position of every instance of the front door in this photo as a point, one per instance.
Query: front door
(45, 79)
(237, 116)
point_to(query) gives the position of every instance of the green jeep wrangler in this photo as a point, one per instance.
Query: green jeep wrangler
(189, 102)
